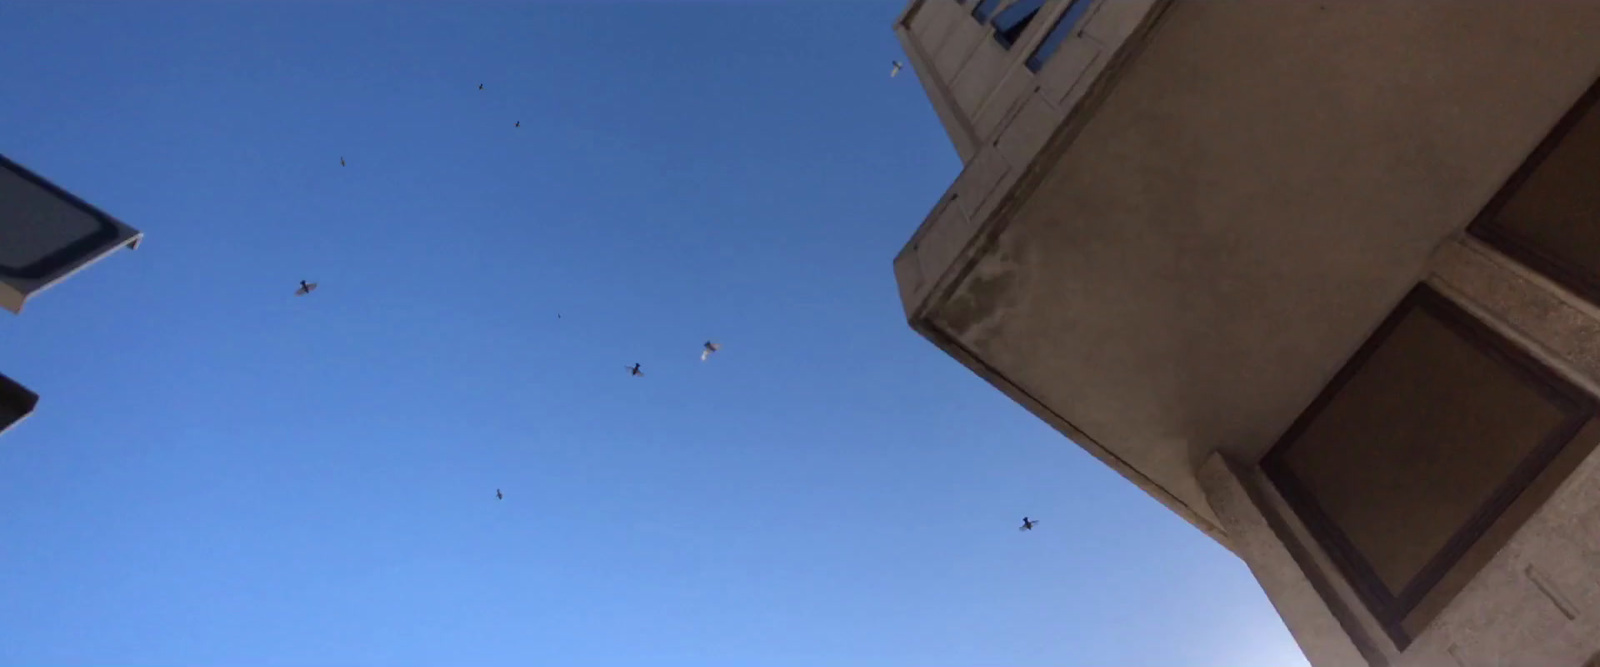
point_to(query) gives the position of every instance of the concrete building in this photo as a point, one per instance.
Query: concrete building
(1321, 277)
(16, 402)
(46, 234)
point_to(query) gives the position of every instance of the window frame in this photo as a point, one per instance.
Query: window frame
(1020, 26)
(1581, 281)
(985, 10)
(1392, 609)
(1058, 30)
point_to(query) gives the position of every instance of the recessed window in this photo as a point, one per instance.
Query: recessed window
(1009, 24)
(1548, 214)
(1425, 453)
(1058, 33)
(984, 9)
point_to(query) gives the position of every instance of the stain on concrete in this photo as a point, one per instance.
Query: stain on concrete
(977, 300)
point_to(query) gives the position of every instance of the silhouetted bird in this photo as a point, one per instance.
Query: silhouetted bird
(635, 370)
(1028, 524)
(480, 86)
(305, 288)
(519, 124)
(707, 351)
(498, 495)
(341, 160)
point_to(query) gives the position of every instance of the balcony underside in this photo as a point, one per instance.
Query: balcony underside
(1252, 194)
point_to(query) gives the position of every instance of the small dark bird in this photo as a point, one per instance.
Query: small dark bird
(896, 71)
(341, 160)
(1028, 524)
(498, 495)
(305, 288)
(519, 124)
(635, 371)
(708, 350)
(480, 86)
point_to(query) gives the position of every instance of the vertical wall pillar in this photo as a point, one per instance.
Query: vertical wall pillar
(1299, 597)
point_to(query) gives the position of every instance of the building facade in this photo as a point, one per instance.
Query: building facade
(1321, 277)
(46, 234)
(16, 402)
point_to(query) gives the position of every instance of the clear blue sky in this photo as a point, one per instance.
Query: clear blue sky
(222, 474)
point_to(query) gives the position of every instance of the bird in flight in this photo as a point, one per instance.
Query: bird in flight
(518, 124)
(634, 370)
(498, 495)
(1028, 524)
(896, 71)
(480, 86)
(341, 160)
(305, 288)
(709, 348)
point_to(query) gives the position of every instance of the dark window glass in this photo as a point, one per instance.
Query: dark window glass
(1546, 216)
(1401, 473)
(1058, 34)
(984, 9)
(1009, 24)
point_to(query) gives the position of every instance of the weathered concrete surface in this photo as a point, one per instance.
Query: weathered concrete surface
(1166, 252)
(1253, 193)
(1537, 601)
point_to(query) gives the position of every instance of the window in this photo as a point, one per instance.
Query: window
(1058, 34)
(1546, 215)
(984, 9)
(1009, 24)
(1425, 453)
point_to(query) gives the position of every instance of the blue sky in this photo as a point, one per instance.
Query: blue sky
(222, 474)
